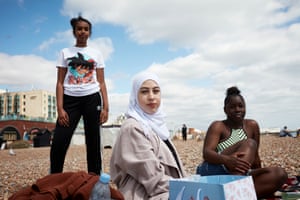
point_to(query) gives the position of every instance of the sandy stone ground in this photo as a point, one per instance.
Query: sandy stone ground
(28, 165)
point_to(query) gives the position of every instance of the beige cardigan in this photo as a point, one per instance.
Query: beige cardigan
(140, 166)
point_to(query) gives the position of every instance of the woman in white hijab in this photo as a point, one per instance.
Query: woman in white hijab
(144, 158)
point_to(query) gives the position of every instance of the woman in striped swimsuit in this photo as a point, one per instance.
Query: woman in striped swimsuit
(231, 147)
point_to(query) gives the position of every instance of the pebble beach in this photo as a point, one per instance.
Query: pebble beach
(28, 165)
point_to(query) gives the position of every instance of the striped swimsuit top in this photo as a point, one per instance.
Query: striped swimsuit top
(235, 136)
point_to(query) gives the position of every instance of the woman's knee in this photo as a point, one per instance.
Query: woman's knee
(277, 175)
(281, 175)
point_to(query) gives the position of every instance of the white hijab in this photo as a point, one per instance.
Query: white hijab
(150, 122)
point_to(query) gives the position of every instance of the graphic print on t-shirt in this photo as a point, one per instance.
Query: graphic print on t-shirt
(81, 69)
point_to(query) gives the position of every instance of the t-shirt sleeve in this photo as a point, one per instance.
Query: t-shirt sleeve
(100, 60)
(61, 61)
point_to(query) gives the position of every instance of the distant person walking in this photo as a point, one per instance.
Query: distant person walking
(80, 92)
(184, 132)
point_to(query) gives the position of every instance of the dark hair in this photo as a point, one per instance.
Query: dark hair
(230, 92)
(75, 20)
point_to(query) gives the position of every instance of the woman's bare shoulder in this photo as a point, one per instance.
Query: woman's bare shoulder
(216, 125)
(251, 122)
(252, 128)
(218, 122)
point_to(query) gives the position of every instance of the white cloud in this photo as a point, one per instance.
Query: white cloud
(182, 22)
(104, 44)
(27, 71)
(60, 37)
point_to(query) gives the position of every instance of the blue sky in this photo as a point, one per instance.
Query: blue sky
(198, 48)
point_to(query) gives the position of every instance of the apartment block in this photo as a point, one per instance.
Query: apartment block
(39, 104)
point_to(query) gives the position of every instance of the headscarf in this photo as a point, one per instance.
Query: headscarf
(150, 122)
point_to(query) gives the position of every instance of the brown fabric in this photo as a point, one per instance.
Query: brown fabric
(60, 186)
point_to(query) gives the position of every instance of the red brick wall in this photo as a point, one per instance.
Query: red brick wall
(24, 125)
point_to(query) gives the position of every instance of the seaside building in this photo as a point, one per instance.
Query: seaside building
(38, 104)
(26, 112)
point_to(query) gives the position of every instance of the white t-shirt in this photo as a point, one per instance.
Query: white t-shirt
(81, 79)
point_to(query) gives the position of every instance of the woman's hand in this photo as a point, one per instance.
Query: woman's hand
(103, 116)
(63, 118)
(236, 165)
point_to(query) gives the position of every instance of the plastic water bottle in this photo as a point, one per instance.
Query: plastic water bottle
(101, 190)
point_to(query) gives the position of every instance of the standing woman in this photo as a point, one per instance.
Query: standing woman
(231, 147)
(80, 91)
(143, 158)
